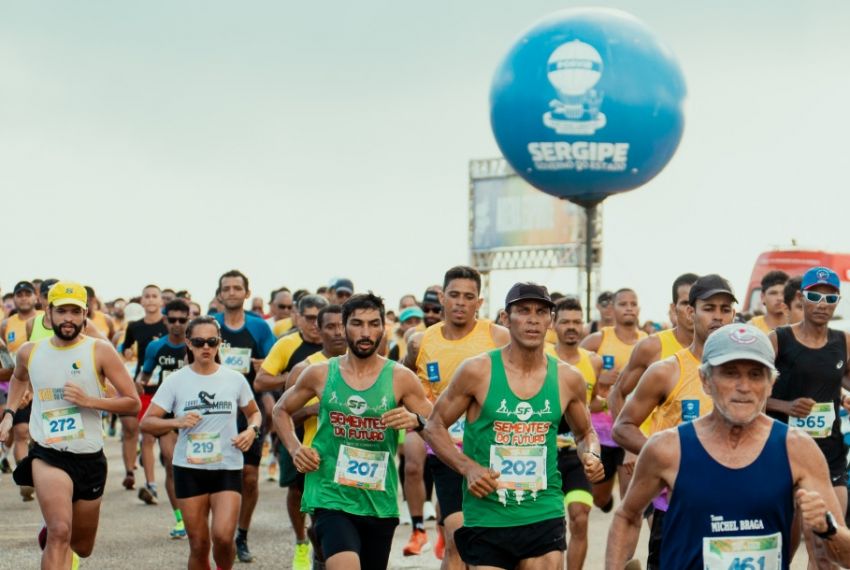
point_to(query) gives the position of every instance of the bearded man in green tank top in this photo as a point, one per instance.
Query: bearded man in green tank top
(351, 487)
(514, 398)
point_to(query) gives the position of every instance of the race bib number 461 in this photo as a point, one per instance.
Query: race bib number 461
(361, 468)
(63, 424)
(742, 552)
(519, 468)
(818, 423)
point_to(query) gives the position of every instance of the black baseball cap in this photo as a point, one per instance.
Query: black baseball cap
(46, 285)
(528, 292)
(344, 285)
(708, 286)
(431, 298)
(605, 297)
(23, 286)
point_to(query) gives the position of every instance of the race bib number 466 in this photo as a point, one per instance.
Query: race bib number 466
(238, 359)
(361, 468)
(519, 468)
(742, 552)
(63, 424)
(818, 423)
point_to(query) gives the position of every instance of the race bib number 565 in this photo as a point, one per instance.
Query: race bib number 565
(818, 423)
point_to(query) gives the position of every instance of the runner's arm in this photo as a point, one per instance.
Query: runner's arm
(245, 439)
(651, 391)
(156, 424)
(413, 351)
(411, 398)
(18, 387)
(450, 406)
(577, 416)
(644, 354)
(110, 367)
(592, 341)
(307, 386)
(271, 375)
(499, 334)
(814, 495)
(302, 414)
(658, 454)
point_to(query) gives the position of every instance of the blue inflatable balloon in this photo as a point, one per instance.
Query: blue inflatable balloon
(588, 103)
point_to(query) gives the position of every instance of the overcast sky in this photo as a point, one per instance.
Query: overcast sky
(170, 141)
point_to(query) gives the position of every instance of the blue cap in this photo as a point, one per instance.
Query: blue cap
(820, 276)
(410, 312)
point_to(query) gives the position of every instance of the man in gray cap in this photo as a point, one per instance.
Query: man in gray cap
(734, 474)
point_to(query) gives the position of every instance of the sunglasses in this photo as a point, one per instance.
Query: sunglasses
(181, 320)
(211, 342)
(815, 297)
(436, 310)
(283, 307)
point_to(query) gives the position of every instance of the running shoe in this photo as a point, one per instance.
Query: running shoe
(148, 495)
(417, 544)
(178, 532)
(303, 557)
(242, 552)
(27, 493)
(440, 547)
(129, 481)
(4, 465)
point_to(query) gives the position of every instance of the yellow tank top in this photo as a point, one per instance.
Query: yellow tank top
(584, 365)
(99, 322)
(439, 357)
(16, 332)
(687, 401)
(311, 423)
(760, 323)
(669, 346)
(611, 345)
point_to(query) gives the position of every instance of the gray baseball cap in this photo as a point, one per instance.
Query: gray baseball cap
(738, 341)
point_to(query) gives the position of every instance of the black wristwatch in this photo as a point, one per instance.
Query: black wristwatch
(831, 529)
(256, 430)
(421, 425)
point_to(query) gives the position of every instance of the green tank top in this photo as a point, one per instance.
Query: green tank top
(518, 439)
(357, 472)
(39, 331)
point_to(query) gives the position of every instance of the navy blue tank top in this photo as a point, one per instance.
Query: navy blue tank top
(716, 502)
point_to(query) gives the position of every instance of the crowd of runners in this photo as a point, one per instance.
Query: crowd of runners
(719, 436)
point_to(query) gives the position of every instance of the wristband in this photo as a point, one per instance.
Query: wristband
(256, 430)
(594, 454)
(9, 411)
(421, 421)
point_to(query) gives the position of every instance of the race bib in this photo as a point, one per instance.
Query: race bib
(361, 468)
(456, 430)
(432, 371)
(818, 423)
(519, 468)
(238, 359)
(742, 552)
(690, 410)
(63, 424)
(203, 448)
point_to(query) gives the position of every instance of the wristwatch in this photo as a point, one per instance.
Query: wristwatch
(256, 430)
(421, 422)
(831, 529)
(9, 411)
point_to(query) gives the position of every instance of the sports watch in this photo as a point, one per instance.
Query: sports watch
(831, 528)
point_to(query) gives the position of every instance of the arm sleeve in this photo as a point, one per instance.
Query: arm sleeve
(150, 358)
(164, 397)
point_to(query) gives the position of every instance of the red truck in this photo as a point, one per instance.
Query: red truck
(796, 262)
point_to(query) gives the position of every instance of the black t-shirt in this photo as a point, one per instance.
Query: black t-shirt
(142, 334)
(161, 359)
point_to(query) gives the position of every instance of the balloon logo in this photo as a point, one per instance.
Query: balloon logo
(588, 103)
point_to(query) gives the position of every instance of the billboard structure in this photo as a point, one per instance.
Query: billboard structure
(514, 226)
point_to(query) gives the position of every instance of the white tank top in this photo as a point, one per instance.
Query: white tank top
(55, 422)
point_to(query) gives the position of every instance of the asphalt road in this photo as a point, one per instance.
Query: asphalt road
(133, 535)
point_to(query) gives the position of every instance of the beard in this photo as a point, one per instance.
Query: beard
(57, 330)
(361, 352)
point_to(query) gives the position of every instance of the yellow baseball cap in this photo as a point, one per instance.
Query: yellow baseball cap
(68, 293)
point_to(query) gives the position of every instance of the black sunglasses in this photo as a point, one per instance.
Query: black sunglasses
(436, 310)
(181, 320)
(211, 342)
(283, 307)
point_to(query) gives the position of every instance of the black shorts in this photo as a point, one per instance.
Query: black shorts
(255, 452)
(505, 547)
(572, 471)
(189, 482)
(370, 537)
(612, 457)
(22, 416)
(653, 560)
(449, 484)
(86, 470)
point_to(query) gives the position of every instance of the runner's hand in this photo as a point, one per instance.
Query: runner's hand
(5, 427)
(245, 439)
(481, 481)
(812, 509)
(593, 468)
(399, 418)
(188, 421)
(629, 462)
(76, 395)
(306, 459)
(801, 407)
